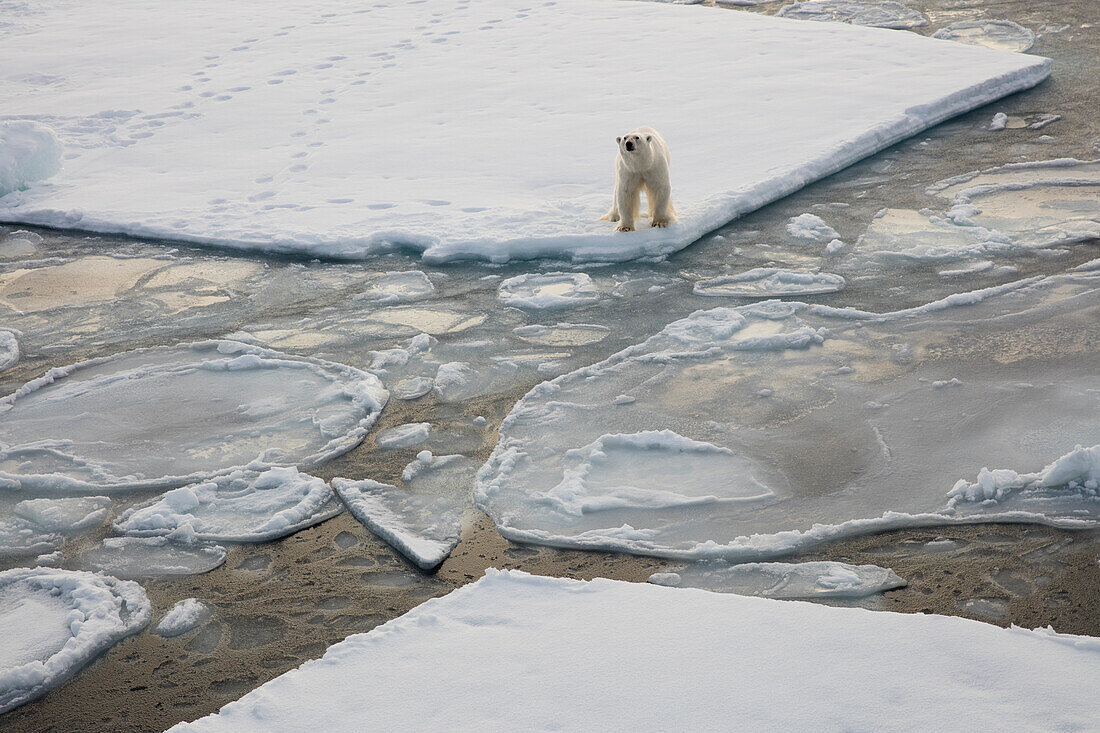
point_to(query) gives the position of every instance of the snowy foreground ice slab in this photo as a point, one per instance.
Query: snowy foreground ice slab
(747, 433)
(783, 579)
(168, 416)
(55, 622)
(520, 652)
(491, 125)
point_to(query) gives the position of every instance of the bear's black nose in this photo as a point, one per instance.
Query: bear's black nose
(630, 146)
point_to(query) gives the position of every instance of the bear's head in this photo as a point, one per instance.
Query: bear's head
(633, 144)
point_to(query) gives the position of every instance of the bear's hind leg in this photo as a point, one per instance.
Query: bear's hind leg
(660, 205)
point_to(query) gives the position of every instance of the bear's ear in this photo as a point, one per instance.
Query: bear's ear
(648, 138)
(618, 139)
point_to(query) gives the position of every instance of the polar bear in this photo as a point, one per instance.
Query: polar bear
(642, 162)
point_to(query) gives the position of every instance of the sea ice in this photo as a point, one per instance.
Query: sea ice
(152, 557)
(1003, 35)
(695, 464)
(810, 228)
(404, 436)
(769, 282)
(38, 525)
(783, 580)
(243, 506)
(887, 14)
(610, 655)
(169, 416)
(29, 152)
(188, 614)
(423, 521)
(9, 349)
(563, 334)
(55, 622)
(550, 290)
(397, 287)
(450, 167)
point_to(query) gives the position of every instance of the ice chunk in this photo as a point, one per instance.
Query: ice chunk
(65, 515)
(29, 152)
(152, 557)
(9, 349)
(769, 282)
(563, 334)
(557, 646)
(1077, 472)
(305, 182)
(169, 416)
(19, 245)
(243, 506)
(404, 436)
(55, 622)
(552, 290)
(412, 387)
(188, 614)
(1003, 35)
(810, 462)
(999, 121)
(397, 287)
(886, 14)
(422, 521)
(810, 228)
(784, 580)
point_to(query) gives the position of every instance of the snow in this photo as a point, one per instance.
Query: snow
(746, 433)
(887, 14)
(769, 282)
(999, 121)
(1003, 35)
(256, 114)
(243, 506)
(190, 613)
(164, 417)
(153, 557)
(520, 652)
(9, 349)
(404, 436)
(38, 525)
(64, 619)
(1077, 471)
(422, 521)
(784, 580)
(550, 290)
(29, 152)
(810, 228)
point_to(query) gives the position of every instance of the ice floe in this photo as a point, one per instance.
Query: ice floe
(9, 349)
(168, 416)
(747, 433)
(769, 282)
(783, 580)
(608, 655)
(55, 622)
(277, 116)
(188, 614)
(404, 436)
(37, 525)
(550, 290)
(1003, 35)
(885, 14)
(397, 287)
(29, 152)
(152, 557)
(563, 334)
(243, 506)
(811, 228)
(423, 521)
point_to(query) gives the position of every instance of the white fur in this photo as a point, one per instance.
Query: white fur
(645, 166)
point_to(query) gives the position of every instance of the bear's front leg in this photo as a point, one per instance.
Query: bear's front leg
(626, 201)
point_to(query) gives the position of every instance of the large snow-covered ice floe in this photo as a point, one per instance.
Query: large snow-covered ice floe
(262, 145)
(695, 661)
(783, 580)
(55, 622)
(422, 521)
(163, 417)
(29, 152)
(243, 506)
(747, 433)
